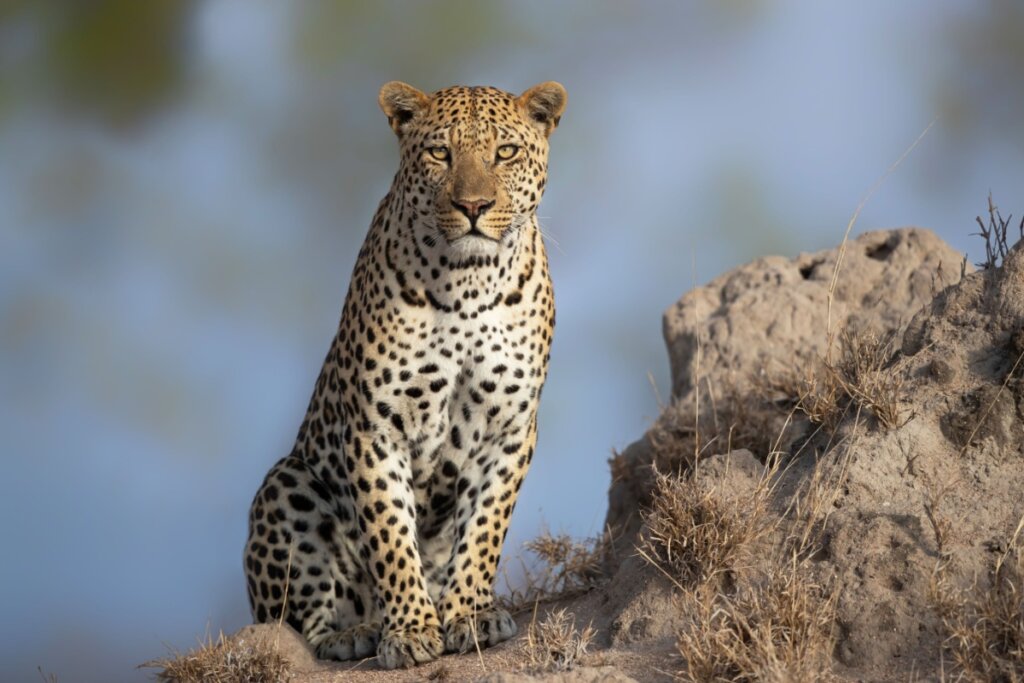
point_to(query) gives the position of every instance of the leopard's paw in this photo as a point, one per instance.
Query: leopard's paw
(485, 628)
(409, 646)
(351, 643)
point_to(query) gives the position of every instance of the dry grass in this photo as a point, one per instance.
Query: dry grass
(744, 572)
(864, 376)
(555, 644)
(985, 626)
(807, 515)
(865, 372)
(225, 660)
(996, 235)
(812, 391)
(777, 624)
(696, 534)
(731, 419)
(571, 564)
(562, 567)
(779, 629)
(941, 524)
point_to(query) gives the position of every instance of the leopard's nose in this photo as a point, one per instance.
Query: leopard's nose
(472, 208)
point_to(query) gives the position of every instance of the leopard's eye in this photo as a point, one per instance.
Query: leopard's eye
(440, 153)
(506, 152)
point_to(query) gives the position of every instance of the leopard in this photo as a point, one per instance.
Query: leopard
(380, 532)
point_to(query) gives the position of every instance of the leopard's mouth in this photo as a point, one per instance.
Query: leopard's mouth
(481, 236)
(473, 244)
(476, 232)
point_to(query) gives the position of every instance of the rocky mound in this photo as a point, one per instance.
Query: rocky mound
(772, 317)
(923, 409)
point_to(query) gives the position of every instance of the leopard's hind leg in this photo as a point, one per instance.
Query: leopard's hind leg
(302, 568)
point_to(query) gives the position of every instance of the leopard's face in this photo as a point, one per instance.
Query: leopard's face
(473, 161)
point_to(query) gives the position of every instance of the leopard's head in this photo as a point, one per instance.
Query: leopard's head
(473, 160)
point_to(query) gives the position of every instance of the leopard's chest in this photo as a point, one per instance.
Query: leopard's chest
(472, 386)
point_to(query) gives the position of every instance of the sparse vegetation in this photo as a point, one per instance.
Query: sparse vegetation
(746, 587)
(811, 390)
(731, 419)
(555, 644)
(562, 567)
(775, 622)
(698, 535)
(863, 376)
(779, 628)
(985, 624)
(997, 236)
(867, 375)
(226, 660)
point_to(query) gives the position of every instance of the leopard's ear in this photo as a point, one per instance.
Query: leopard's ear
(544, 104)
(401, 103)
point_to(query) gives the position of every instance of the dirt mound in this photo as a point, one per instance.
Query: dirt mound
(771, 317)
(922, 415)
(774, 311)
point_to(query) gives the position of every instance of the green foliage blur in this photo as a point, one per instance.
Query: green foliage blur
(115, 61)
(122, 61)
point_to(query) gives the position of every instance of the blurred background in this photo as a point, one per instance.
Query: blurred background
(184, 187)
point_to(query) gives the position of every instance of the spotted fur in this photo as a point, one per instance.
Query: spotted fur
(381, 530)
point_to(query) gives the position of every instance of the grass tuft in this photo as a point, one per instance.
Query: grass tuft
(225, 660)
(996, 235)
(744, 571)
(866, 376)
(779, 629)
(555, 644)
(697, 535)
(985, 626)
(731, 420)
(863, 377)
(561, 567)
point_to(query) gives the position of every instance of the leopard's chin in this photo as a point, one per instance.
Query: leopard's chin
(473, 245)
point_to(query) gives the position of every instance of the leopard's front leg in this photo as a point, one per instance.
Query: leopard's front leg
(489, 488)
(385, 509)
